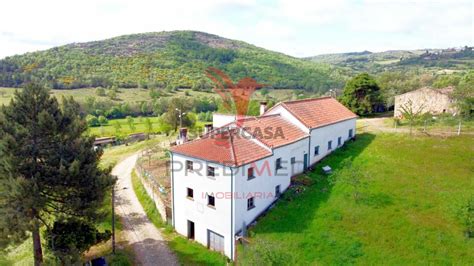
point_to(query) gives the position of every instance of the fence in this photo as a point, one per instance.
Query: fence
(156, 186)
(428, 127)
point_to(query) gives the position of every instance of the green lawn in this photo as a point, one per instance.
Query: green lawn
(188, 253)
(408, 214)
(125, 130)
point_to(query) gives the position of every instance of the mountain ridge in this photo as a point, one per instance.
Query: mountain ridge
(172, 60)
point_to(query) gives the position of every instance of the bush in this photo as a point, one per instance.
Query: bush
(69, 239)
(100, 92)
(92, 121)
(103, 121)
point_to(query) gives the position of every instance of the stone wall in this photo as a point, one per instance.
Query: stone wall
(426, 99)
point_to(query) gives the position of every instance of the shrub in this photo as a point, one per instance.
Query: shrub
(92, 121)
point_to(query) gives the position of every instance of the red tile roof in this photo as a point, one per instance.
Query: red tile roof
(318, 112)
(273, 130)
(226, 147)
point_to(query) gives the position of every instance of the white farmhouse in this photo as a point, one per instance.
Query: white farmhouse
(224, 180)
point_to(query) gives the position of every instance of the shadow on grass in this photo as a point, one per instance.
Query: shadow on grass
(295, 213)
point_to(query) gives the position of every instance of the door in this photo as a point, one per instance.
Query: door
(215, 241)
(305, 162)
(190, 229)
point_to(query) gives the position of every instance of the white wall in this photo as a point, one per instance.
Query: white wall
(219, 120)
(204, 217)
(262, 187)
(321, 136)
(288, 116)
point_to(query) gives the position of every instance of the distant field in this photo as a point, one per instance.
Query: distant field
(410, 212)
(124, 95)
(109, 129)
(139, 95)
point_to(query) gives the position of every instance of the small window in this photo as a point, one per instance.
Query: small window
(250, 203)
(250, 174)
(189, 165)
(316, 150)
(190, 193)
(211, 201)
(350, 133)
(278, 164)
(210, 171)
(293, 160)
(277, 191)
(339, 141)
(329, 145)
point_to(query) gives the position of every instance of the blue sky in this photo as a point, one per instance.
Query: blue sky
(295, 27)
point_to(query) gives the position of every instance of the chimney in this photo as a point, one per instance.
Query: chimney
(263, 107)
(207, 128)
(183, 135)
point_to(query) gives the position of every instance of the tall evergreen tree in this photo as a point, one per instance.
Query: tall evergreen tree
(48, 168)
(361, 94)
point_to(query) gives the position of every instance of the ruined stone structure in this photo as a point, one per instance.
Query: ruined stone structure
(429, 100)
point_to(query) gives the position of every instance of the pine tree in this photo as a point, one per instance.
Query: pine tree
(48, 168)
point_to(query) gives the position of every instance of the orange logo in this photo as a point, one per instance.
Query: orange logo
(239, 94)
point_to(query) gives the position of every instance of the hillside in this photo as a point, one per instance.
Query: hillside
(428, 59)
(171, 60)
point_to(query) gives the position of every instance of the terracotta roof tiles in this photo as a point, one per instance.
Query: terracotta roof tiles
(318, 112)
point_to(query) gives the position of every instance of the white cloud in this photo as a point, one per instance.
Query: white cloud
(297, 27)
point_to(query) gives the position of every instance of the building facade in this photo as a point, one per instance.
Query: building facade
(226, 179)
(426, 100)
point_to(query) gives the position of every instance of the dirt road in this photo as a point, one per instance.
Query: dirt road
(141, 235)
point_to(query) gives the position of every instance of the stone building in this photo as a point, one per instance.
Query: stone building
(427, 100)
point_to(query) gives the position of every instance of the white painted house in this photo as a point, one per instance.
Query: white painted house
(224, 180)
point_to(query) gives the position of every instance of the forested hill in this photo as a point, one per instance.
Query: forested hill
(432, 60)
(169, 60)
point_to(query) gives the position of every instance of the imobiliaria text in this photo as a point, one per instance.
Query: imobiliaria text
(239, 195)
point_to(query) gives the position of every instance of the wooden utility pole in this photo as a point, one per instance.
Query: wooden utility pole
(113, 219)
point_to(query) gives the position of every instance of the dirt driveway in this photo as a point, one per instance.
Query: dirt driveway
(142, 236)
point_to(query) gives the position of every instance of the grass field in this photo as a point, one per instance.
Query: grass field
(138, 95)
(408, 214)
(188, 253)
(125, 130)
(124, 95)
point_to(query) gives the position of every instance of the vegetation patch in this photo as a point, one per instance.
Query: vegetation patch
(414, 208)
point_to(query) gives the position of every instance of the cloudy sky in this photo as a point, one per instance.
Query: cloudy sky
(295, 27)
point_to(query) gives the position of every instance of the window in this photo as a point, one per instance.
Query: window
(316, 150)
(278, 164)
(350, 133)
(293, 160)
(339, 141)
(250, 174)
(190, 193)
(210, 171)
(250, 203)
(329, 145)
(211, 201)
(189, 165)
(277, 191)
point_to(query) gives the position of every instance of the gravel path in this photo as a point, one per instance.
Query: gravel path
(145, 239)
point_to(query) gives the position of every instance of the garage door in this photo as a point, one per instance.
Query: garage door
(215, 241)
